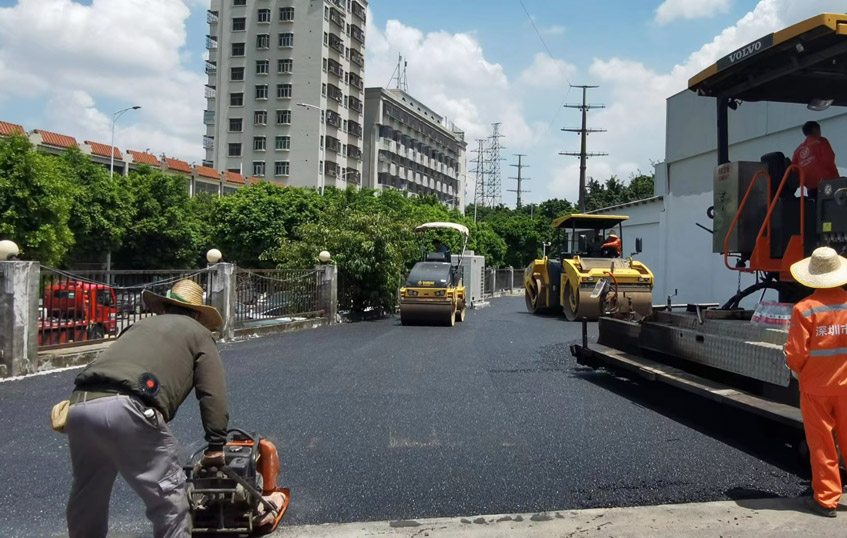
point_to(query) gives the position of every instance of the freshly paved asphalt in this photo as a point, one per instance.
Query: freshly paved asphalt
(378, 421)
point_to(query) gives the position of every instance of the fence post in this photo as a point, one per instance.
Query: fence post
(18, 317)
(223, 297)
(511, 279)
(493, 281)
(328, 290)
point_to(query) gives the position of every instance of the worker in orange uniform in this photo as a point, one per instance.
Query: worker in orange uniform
(817, 351)
(815, 157)
(612, 247)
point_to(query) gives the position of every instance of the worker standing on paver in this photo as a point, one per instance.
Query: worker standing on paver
(119, 409)
(815, 157)
(817, 351)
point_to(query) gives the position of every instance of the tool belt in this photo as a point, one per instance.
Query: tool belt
(82, 396)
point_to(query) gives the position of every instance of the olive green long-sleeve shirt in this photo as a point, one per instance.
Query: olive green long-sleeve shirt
(160, 359)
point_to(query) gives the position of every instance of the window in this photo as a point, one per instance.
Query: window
(261, 91)
(346, 78)
(286, 40)
(345, 101)
(264, 15)
(238, 49)
(285, 65)
(239, 24)
(262, 67)
(286, 13)
(344, 150)
(321, 142)
(236, 73)
(348, 29)
(323, 88)
(259, 143)
(260, 117)
(283, 142)
(259, 168)
(263, 41)
(235, 125)
(239, 2)
(324, 64)
(236, 99)
(283, 117)
(283, 91)
(234, 150)
(345, 126)
(326, 13)
(326, 38)
(281, 168)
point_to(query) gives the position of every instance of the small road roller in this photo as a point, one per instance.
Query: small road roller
(434, 293)
(586, 277)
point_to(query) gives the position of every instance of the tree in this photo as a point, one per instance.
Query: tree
(165, 234)
(103, 207)
(35, 202)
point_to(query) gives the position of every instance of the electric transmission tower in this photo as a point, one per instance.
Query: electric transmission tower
(584, 132)
(520, 166)
(493, 195)
(479, 171)
(399, 75)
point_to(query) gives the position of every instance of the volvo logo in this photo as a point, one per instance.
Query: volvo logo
(745, 52)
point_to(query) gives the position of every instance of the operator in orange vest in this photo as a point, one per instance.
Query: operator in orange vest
(817, 352)
(612, 244)
(815, 157)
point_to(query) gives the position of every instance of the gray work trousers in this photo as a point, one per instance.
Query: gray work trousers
(111, 435)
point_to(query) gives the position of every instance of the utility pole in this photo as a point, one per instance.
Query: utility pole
(584, 132)
(493, 195)
(520, 166)
(479, 183)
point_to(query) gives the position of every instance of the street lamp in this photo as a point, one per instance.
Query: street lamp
(115, 117)
(321, 152)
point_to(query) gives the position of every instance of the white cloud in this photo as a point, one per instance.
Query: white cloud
(130, 52)
(671, 10)
(635, 115)
(546, 72)
(553, 30)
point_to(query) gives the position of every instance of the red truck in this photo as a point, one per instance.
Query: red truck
(75, 311)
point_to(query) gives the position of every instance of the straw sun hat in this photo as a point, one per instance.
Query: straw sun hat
(824, 269)
(185, 294)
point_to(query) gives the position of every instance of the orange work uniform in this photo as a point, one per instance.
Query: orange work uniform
(615, 243)
(817, 160)
(817, 351)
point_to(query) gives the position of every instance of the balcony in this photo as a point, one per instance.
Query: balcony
(335, 68)
(332, 144)
(357, 58)
(211, 92)
(353, 176)
(357, 34)
(340, 4)
(336, 17)
(209, 117)
(212, 17)
(354, 152)
(401, 172)
(333, 119)
(208, 142)
(354, 128)
(333, 92)
(211, 43)
(331, 169)
(356, 81)
(359, 11)
(336, 43)
(355, 104)
(211, 68)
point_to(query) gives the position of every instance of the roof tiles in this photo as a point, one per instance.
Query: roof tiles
(205, 171)
(176, 164)
(235, 177)
(57, 140)
(7, 129)
(144, 158)
(103, 149)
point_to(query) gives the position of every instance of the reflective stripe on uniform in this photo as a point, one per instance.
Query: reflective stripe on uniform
(824, 308)
(828, 352)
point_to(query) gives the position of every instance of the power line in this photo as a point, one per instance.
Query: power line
(583, 132)
(532, 22)
(520, 166)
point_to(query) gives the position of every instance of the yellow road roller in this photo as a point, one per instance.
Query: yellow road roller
(586, 277)
(434, 293)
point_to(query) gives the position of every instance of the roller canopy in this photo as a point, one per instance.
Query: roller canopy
(443, 226)
(589, 222)
(800, 64)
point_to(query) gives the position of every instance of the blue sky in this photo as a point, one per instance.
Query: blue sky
(474, 61)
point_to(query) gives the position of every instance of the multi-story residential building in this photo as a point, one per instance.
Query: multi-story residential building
(286, 90)
(411, 148)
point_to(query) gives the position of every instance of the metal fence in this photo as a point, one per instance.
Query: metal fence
(276, 294)
(500, 280)
(87, 306)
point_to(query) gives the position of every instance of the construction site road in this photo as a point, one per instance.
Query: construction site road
(378, 422)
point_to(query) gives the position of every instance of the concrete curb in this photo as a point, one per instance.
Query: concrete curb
(759, 518)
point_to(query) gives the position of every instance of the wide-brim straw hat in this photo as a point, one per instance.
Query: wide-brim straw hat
(823, 269)
(185, 294)
(612, 234)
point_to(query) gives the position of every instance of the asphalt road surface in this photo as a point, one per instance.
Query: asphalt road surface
(378, 421)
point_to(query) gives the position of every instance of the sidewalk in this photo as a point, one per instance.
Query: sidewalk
(771, 518)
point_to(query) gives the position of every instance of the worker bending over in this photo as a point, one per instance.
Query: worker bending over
(117, 421)
(815, 158)
(612, 247)
(817, 351)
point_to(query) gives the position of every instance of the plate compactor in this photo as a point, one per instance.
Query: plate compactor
(241, 498)
(434, 293)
